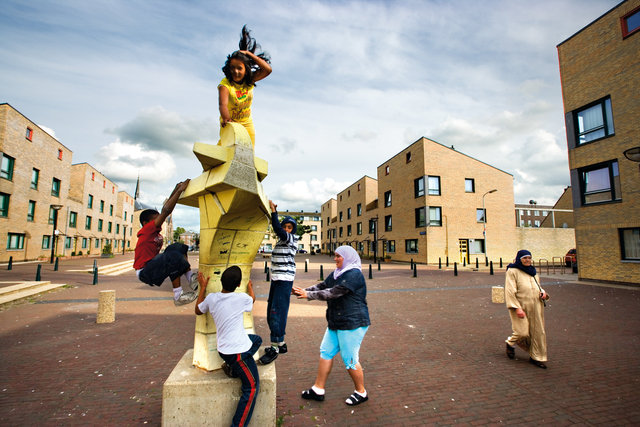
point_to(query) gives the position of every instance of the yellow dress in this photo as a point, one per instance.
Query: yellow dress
(239, 105)
(522, 291)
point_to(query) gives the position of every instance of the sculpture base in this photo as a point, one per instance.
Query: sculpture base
(192, 397)
(497, 294)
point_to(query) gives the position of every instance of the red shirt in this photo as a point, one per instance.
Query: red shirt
(148, 246)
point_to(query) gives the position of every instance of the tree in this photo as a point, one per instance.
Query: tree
(177, 232)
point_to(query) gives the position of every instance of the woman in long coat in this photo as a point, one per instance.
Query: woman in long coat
(525, 300)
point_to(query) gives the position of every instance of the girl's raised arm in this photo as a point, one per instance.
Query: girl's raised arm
(265, 68)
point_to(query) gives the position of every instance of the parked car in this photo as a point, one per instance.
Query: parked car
(570, 258)
(302, 251)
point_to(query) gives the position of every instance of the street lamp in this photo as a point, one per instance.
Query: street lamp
(124, 238)
(484, 222)
(54, 234)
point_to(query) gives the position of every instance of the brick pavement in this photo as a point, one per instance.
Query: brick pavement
(434, 354)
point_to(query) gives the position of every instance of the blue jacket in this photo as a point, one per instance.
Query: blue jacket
(350, 311)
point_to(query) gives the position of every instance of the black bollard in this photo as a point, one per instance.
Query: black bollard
(321, 273)
(38, 277)
(95, 273)
(412, 263)
(265, 267)
(439, 263)
(476, 263)
(10, 265)
(491, 268)
(378, 265)
(455, 268)
(500, 262)
(370, 272)
(486, 262)
(464, 262)
(268, 279)
(415, 270)
(306, 266)
(55, 266)
(447, 261)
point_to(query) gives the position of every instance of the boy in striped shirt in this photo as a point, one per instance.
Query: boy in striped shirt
(283, 271)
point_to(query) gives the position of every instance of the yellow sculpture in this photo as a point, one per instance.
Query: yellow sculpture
(234, 216)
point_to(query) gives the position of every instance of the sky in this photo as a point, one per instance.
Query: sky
(130, 85)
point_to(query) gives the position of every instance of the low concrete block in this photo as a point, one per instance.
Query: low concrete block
(194, 397)
(106, 307)
(497, 294)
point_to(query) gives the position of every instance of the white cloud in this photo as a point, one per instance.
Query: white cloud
(123, 162)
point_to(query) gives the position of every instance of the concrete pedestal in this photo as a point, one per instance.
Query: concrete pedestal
(193, 397)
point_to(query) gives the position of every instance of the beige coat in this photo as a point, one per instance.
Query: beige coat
(522, 291)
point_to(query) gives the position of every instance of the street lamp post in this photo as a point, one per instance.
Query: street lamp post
(484, 222)
(124, 238)
(54, 235)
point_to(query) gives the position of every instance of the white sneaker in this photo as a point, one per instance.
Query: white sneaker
(194, 285)
(185, 298)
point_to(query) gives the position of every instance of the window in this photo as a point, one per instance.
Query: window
(101, 222)
(4, 204)
(359, 209)
(59, 154)
(537, 223)
(372, 226)
(386, 170)
(359, 228)
(469, 185)
(314, 238)
(340, 231)
(348, 193)
(600, 183)
(349, 230)
(387, 199)
(6, 170)
(87, 223)
(15, 241)
(35, 175)
(97, 243)
(46, 241)
(391, 246)
(93, 176)
(408, 156)
(630, 22)
(52, 215)
(476, 246)
(593, 122)
(420, 217)
(314, 228)
(387, 223)
(67, 242)
(411, 246)
(434, 185)
(101, 206)
(125, 215)
(31, 210)
(73, 219)
(117, 228)
(418, 187)
(340, 216)
(55, 187)
(348, 213)
(90, 202)
(84, 243)
(481, 215)
(111, 210)
(435, 216)
(358, 186)
(29, 134)
(630, 243)
(109, 227)
(536, 213)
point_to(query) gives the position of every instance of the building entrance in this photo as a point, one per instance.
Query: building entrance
(464, 250)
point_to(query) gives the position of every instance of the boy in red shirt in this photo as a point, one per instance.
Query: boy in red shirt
(151, 266)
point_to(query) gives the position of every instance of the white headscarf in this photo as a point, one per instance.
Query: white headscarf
(350, 261)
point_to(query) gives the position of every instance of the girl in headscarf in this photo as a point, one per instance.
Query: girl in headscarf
(345, 291)
(525, 300)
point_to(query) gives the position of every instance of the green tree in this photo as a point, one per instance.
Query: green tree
(177, 232)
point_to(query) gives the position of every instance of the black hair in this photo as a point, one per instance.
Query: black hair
(231, 278)
(146, 215)
(246, 43)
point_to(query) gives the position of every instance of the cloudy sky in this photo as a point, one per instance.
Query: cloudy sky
(129, 85)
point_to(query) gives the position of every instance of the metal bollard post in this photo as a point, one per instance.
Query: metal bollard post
(439, 263)
(455, 268)
(370, 272)
(412, 263)
(464, 262)
(500, 262)
(55, 266)
(476, 262)
(491, 268)
(486, 262)
(38, 277)
(95, 272)
(10, 265)
(415, 270)
(265, 267)
(378, 265)
(321, 273)
(447, 261)
(268, 279)
(306, 266)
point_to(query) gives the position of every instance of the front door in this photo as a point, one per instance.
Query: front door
(464, 251)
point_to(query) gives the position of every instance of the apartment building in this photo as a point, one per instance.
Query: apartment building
(532, 214)
(600, 76)
(432, 202)
(310, 242)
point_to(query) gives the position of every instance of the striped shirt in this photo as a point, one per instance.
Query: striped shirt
(283, 262)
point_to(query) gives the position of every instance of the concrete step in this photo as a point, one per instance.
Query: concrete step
(25, 290)
(110, 269)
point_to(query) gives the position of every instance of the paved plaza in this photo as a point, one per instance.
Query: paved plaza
(434, 354)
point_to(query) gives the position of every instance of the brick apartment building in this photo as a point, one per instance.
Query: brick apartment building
(309, 242)
(40, 188)
(422, 207)
(600, 77)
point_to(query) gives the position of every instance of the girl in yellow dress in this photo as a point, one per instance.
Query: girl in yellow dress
(235, 92)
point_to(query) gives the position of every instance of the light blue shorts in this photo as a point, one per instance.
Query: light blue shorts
(347, 342)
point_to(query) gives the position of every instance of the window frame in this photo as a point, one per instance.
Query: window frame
(417, 191)
(359, 228)
(90, 201)
(421, 211)
(11, 163)
(387, 199)
(625, 27)
(5, 202)
(35, 173)
(73, 219)
(46, 241)
(359, 209)
(388, 223)
(473, 185)
(55, 192)
(438, 222)
(609, 165)
(623, 255)
(609, 131)
(87, 222)
(414, 243)
(29, 134)
(391, 246)
(20, 241)
(483, 220)
(31, 211)
(439, 189)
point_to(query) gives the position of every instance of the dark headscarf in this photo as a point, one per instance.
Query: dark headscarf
(531, 270)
